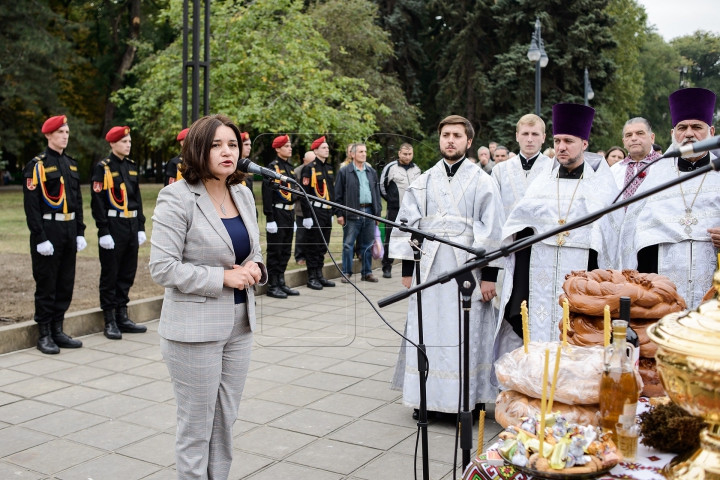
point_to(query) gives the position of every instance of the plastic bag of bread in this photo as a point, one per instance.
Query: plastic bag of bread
(653, 296)
(511, 407)
(578, 378)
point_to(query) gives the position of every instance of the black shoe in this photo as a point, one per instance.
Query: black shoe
(125, 324)
(45, 342)
(274, 289)
(60, 338)
(387, 273)
(111, 330)
(416, 414)
(289, 291)
(312, 281)
(323, 281)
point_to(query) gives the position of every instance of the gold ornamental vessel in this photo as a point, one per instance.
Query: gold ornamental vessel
(688, 362)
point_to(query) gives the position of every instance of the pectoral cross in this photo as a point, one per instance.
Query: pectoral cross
(561, 236)
(687, 220)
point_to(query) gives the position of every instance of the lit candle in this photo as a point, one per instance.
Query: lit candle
(606, 326)
(566, 321)
(525, 326)
(543, 404)
(555, 379)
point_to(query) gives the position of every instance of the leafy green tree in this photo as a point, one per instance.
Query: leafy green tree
(703, 50)
(270, 72)
(622, 95)
(659, 63)
(359, 48)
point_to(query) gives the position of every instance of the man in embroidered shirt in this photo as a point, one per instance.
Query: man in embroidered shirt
(638, 139)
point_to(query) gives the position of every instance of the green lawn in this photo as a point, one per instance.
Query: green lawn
(14, 234)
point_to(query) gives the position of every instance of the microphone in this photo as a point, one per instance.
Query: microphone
(696, 147)
(246, 166)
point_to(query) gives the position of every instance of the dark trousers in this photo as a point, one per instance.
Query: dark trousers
(119, 265)
(300, 239)
(54, 274)
(387, 262)
(315, 246)
(279, 245)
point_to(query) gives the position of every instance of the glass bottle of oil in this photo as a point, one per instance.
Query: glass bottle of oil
(618, 388)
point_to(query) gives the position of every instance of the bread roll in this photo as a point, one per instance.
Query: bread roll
(653, 296)
(511, 406)
(651, 380)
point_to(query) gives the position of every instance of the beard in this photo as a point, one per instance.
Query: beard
(459, 153)
(692, 156)
(572, 162)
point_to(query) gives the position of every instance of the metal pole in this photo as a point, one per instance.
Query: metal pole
(206, 78)
(537, 88)
(538, 36)
(184, 65)
(586, 80)
(196, 61)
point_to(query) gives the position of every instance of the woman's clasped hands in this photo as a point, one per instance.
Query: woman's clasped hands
(242, 276)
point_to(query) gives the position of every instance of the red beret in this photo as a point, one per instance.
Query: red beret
(317, 143)
(244, 136)
(183, 133)
(117, 133)
(54, 123)
(280, 141)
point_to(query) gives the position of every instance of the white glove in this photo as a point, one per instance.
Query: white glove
(141, 238)
(81, 243)
(45, 248)
(271, 227)
(107, 242)
(307, 223)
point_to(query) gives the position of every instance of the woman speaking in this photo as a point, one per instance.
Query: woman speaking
(206, 253)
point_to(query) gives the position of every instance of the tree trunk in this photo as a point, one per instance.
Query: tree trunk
(124, 64)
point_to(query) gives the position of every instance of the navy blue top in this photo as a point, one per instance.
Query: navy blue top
(241, 244)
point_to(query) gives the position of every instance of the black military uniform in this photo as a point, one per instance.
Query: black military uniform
(117, 209)
(278, 207)
(318, 179)
(172, 172)
(53, 207)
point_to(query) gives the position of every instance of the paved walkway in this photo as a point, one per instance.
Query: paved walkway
(317, 403)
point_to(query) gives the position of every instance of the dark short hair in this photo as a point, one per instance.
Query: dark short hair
(196, 150)
(657, 147)
(502, 147)
(458, 120)
(405, 146)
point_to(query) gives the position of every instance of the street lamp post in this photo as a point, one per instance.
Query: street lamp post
(683, 71)
(536, 53)
(589, 94)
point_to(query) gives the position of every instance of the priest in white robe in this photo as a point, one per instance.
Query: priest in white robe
(515, 175)
(456, 200)
(577, 184)
(675, 232)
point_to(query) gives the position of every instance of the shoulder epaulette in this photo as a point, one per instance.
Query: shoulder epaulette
(105, 162)
(39, 157)
(130, 160)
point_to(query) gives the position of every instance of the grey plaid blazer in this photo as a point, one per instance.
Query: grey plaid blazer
(190, 249)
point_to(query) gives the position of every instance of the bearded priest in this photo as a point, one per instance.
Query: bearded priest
(577, 184)
(674, 232)
(456, 200)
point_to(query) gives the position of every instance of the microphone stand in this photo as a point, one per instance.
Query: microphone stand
(417, 238)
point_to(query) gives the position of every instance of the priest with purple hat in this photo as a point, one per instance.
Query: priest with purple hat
(577, 184)
(675, 232)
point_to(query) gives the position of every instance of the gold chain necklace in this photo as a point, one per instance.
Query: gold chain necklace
(689, 219)
(562, 221)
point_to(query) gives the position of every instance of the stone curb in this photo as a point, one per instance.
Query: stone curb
(22, 335)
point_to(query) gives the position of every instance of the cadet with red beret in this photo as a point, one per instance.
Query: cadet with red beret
(53, 208)
(117, 209)
(317, 179)
(172, 169)
(278, 208)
